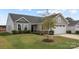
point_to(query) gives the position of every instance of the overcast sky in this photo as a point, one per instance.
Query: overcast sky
(73, 13)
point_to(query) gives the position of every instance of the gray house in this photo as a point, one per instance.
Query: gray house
(33, 23)
(73, 26)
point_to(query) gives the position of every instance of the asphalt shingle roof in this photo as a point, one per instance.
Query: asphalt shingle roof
(33, 19)
(73, 23)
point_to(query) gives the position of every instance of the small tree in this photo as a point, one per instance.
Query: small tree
(48, 24)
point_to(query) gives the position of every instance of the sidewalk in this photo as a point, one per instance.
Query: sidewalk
(73, 36)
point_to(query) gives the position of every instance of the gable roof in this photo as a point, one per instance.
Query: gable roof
(73, 23)
(32, 19)
(22, 19)
(58, 14)
(53, 15)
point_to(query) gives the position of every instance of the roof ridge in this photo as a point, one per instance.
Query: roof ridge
(24, 15)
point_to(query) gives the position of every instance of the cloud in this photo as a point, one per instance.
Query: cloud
(40, 11)
(25, 9)
(3, 20)
(20, 9)
(29, 9)
(54, 11)
(51, 11)
(72, 11)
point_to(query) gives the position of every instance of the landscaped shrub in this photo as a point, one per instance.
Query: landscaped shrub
(38, 33)
(41, 33)
(69, 32)
(46, 32)
(51, 32)
(20, 32)
(4, 33)
(77, 32)
(14, 32)
(26, 31)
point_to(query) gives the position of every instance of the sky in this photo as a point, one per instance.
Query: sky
(73, 13)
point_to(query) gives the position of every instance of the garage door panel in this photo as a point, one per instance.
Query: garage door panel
(60, 30)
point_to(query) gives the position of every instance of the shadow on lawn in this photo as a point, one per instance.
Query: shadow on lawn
(5, 34)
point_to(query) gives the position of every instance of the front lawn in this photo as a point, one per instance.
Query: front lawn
(32, 41)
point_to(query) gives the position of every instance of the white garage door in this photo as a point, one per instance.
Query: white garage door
(60, 29)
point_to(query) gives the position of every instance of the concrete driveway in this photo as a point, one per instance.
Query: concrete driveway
(73, 36)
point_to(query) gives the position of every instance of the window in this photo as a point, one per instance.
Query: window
(25, 27)
(59, 19)
(19, 27)
(63, 25)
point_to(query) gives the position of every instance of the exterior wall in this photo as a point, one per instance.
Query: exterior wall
(71, 28)
(23, 25)
(60, 20)
(61, 25)
(9, 25)
(77, 27)
(39, 27)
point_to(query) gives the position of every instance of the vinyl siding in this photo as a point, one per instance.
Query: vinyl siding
(9, 25)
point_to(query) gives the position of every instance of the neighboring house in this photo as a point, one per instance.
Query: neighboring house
(2, 28)
(73, 26)
(33, 23)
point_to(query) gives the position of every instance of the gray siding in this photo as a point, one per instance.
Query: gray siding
(23, 26)
(9, 25)
(71, 28)
(77, 27)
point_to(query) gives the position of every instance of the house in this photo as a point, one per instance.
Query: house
(2, 28)
(33, 23)
(73, 26)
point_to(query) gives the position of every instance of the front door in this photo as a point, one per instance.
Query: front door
(34, 28)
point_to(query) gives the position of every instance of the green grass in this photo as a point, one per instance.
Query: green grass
(32, 41)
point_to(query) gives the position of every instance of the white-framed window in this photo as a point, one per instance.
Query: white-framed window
(25, 27)
(19, 26)
(59, 20)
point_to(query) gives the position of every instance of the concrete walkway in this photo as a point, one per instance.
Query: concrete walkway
(73, 36)
(76, 48)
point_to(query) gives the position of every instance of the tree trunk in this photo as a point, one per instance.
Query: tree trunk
(48, 35)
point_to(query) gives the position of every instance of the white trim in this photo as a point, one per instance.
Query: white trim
(21, 18)
(63, 18)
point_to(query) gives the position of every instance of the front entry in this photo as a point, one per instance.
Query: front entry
(34, 28)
